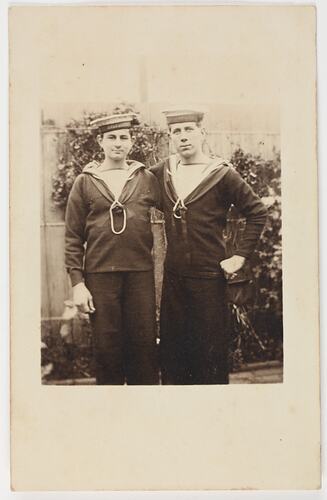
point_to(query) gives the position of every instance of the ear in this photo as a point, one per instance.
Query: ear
(99, 139)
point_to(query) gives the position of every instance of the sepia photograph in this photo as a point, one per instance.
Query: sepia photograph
(163, 245)
(161, 236)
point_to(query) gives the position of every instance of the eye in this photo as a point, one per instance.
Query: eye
(176, 131)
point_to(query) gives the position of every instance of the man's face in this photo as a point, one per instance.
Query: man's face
(116, 144)
(187, 138)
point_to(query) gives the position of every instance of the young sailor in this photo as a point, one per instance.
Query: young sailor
(197, 192)
(112, 275)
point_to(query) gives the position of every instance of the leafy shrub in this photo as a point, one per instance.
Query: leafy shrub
(264, 176)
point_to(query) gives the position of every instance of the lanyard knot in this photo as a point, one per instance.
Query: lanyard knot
(117, 208)
(179, 209)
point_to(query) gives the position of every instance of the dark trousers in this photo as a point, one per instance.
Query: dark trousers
(194, 333)
(124, 327)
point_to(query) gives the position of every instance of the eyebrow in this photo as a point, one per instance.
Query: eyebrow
(112, 134)
(178, 129)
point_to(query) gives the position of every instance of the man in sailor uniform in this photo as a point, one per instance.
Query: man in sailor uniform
(112, 278)
(197, 192)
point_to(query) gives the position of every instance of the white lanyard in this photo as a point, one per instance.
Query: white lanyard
(178, 205)
(114, 205)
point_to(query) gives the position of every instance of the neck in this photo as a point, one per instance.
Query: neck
(196, 158)
(109, 164)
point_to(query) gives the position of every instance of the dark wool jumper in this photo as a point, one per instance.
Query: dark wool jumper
(195, 241)
(88, 221)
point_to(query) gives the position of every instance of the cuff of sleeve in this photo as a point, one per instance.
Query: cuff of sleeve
(76, 276)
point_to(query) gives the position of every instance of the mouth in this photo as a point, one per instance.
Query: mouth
(186, 146)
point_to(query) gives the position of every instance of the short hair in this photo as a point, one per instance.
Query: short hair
(198, 123)
(99, 135)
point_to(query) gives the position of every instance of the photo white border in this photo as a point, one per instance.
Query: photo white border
(322, 113)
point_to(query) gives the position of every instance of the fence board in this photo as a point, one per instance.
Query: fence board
(46, 311)
(56, 279)
(52, 145)
(259, 143)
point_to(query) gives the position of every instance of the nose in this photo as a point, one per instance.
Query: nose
(183, 139)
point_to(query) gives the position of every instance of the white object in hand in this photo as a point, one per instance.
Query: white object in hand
(232, 264)
(83, 299)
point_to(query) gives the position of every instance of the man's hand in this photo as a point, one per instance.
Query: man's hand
(233, 264)
(82, 298)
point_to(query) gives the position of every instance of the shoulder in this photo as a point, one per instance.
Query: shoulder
(147, 173)
(217, 170)
(158, 168)
(148, 176)
(230, 180)
(232, 175)
(81, 179)
(80, 184)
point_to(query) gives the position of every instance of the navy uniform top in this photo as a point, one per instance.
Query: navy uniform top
(195, 225)
(93, 218)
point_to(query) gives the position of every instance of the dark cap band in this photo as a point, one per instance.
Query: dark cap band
(115, 122)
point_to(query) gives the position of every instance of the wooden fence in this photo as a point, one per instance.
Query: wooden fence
(55, 288)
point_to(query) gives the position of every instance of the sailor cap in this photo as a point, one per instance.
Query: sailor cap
(115, 122)
(182, 115)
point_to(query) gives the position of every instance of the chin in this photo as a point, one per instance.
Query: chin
(117, 156)
(187, 154)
